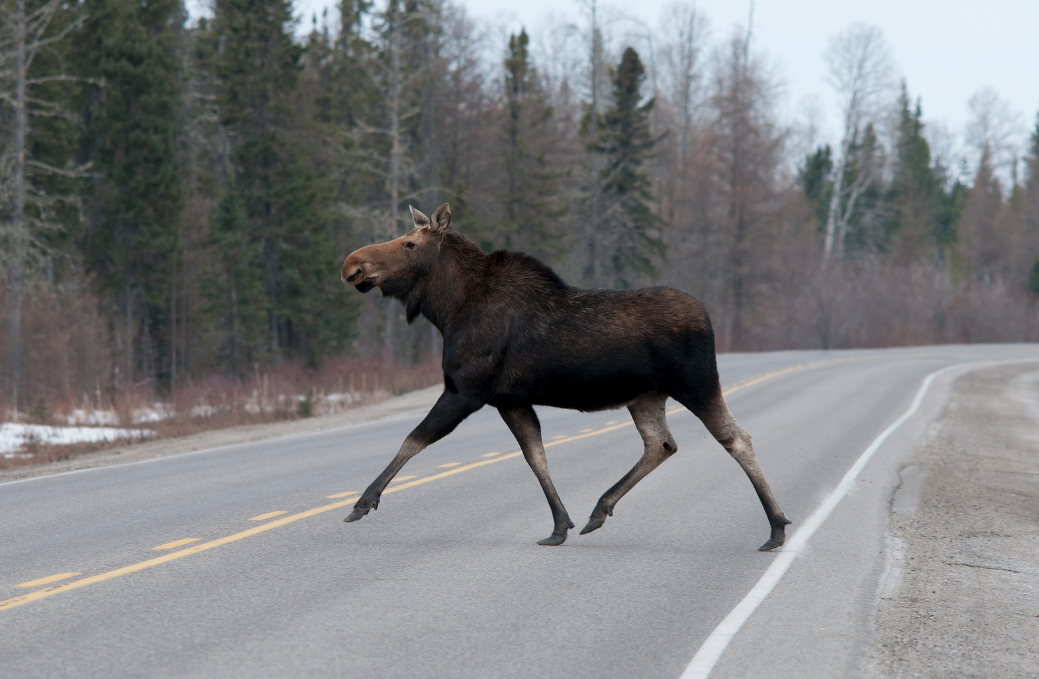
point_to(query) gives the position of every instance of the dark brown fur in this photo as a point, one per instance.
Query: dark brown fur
(515, 336)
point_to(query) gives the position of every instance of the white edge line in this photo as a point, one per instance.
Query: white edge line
(713, 647)
(354, 425)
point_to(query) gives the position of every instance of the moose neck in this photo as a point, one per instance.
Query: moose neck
(448, 286)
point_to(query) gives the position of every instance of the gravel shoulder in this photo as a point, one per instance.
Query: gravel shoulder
(960, 595)
(416, 402)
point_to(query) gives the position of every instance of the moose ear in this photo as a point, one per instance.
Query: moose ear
(420, 219)
(441, 217)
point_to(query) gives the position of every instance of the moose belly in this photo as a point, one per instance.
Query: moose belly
(590, 389)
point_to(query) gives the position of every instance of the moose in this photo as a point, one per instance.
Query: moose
(516, 336)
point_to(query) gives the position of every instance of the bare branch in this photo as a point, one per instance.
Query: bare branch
(76, 172)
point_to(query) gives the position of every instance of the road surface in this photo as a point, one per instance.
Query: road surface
(235, 562)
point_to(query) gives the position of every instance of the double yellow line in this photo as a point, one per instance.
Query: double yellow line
(292, 518)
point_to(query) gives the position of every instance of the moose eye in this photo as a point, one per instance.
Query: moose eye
(409, 246)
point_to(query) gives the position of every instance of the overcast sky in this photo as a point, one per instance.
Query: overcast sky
(945, 49)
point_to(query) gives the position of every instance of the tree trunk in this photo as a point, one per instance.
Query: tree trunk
(389, 339)
(429, 141)
(234, 323)
(835, 199)
(592, 235)
(16, 370)
(128, 294)
(173, 325)
(394, 121)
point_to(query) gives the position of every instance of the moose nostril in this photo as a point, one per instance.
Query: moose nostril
(354, 276)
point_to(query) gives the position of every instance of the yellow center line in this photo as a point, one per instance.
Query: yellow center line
(448, 465)
(256, 530)
(133, 568)
(47, 580)
(177, 543)
(268, 515)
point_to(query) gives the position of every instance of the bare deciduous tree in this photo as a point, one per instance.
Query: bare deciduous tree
(859, 68)
(995, 125)
(680, 70)
(19, 234)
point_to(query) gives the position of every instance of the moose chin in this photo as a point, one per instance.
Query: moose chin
(516, 336)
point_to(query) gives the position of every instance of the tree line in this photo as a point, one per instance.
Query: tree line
(176, 197)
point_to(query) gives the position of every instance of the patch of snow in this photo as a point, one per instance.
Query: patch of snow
(156, 413)
(204, 410)
(14, 435)
(92, 417)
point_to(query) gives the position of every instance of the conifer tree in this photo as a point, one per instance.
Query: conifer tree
(627, 230)
(982, 231)
(257, 65)
(530, 189)
(813, 178)
(130, 137)
(914, 190)
(238, 283)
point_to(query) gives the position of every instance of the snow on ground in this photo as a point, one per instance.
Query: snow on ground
(92, 417)
(14, 435)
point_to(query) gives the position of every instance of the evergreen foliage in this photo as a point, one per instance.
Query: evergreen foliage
(130, 130)
(627, 230)
(530, 193)
(257, 66)
(813, 178)
(914, 191)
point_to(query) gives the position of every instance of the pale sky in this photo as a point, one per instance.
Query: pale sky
(945, 49)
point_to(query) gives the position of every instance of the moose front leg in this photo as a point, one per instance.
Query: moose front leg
(523, 422)
(448, 412)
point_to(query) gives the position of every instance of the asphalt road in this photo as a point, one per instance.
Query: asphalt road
(445, 579)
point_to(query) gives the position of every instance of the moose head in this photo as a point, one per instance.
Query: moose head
(397, 265)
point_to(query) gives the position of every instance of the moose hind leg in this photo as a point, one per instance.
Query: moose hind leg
(651, 420)
(723, 426)
(524, 424)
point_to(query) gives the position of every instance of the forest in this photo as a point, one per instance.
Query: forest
(176, 197)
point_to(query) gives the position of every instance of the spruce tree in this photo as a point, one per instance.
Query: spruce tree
(257, 66)
(530, 184)
(914, 190)
(130, 138)
(982, 226)
(236, 284)
(813, 178)
(627, 230)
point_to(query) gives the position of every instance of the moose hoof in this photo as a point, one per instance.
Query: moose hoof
(771, 544)
(553, 540)
(594, 522)
(778, 535)
(356, 515)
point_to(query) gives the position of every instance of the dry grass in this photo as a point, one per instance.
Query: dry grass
(287, 391)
